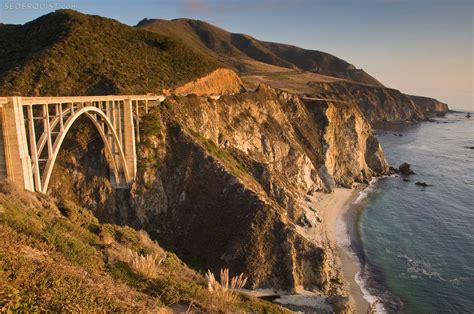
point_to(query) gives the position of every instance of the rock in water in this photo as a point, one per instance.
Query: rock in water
(405, 169)
(422, 184)
(393, 170)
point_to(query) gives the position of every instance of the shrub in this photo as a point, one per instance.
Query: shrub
(145, 265)
(225, 289)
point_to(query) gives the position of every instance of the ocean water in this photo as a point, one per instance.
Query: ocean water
(416, 243)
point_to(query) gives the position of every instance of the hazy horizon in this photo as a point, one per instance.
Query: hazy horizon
(421, 47)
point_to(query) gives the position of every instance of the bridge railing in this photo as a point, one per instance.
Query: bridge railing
(85, 99)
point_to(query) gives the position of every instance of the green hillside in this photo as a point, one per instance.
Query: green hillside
(69, 53)
(246, 54)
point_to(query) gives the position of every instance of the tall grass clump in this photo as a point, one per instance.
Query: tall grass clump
(225, 289)
(146, 265)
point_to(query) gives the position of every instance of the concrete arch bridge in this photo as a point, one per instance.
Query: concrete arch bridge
(32, 130)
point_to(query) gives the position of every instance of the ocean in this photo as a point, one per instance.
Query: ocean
(416, 244)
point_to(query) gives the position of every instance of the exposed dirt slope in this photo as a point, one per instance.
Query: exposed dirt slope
(218, 82)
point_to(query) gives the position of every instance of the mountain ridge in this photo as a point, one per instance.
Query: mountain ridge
(227, 45)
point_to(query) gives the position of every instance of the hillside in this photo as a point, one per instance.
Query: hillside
(58, 257)
(69, 53)
(248, 55)
(297, 70)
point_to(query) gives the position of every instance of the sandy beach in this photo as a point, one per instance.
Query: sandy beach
(333, 206)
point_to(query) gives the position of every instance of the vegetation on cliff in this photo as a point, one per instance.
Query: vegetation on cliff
(58, 257)
(69, 53)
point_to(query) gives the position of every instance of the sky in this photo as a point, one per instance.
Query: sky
(422, 47)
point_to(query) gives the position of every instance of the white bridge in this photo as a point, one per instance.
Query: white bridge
(33, 129)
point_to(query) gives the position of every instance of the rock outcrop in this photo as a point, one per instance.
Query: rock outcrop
(220, 182)
(430, 105)
(405, 169)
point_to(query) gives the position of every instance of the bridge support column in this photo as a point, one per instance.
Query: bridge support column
(129, 139)
(18, 160)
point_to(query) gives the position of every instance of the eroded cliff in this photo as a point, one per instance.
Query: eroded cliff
(379, 103)
(222, 182)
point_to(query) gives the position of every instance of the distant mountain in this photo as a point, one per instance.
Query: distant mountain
(66, 52)
(308, 73)
(246, 54)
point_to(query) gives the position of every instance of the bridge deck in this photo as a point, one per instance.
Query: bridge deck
(76, 99)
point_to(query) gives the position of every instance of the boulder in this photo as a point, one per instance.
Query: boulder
(422, 184)
(405, 169)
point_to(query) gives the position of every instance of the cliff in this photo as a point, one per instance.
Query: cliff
(220, 81)
(430, 105)
(376, 103)
(223, 182)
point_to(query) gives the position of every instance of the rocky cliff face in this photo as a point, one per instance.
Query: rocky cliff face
(222, 182)
(379, 103)
(430, 105)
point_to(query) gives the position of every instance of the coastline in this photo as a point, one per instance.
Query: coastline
(334, 208)
(337, 210)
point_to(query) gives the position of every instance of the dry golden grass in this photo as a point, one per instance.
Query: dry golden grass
(226, 289)
(146, 265)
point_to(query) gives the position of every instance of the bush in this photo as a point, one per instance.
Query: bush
(146, 265)
(225, 289)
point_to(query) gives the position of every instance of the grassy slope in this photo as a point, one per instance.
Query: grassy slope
(61, 259)
(69, 53)
(247, 53)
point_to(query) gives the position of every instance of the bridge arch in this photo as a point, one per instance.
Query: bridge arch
(29, 160)
(117, 167)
